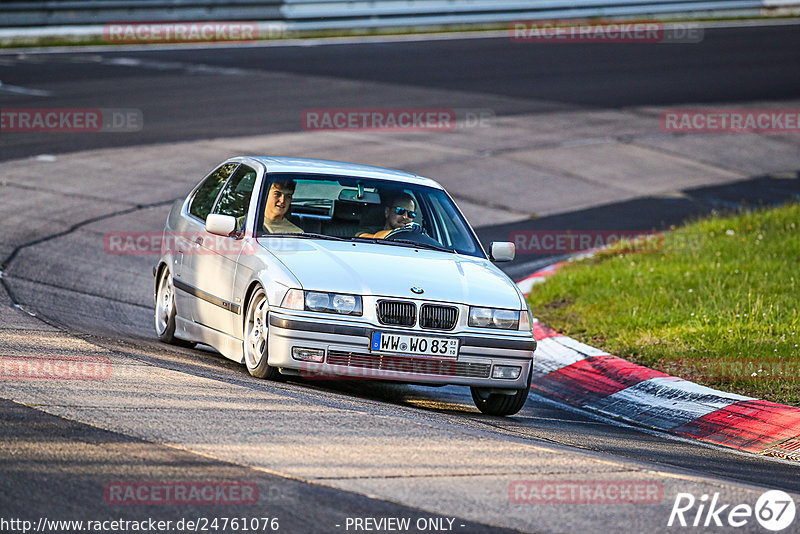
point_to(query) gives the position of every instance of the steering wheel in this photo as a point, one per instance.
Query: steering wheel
(409, 228)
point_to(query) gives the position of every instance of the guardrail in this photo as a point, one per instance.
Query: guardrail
(87, 12)
(313, 14)
(356, 14)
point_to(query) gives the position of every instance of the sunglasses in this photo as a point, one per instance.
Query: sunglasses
(402, 211)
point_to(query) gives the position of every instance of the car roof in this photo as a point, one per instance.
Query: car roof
(324, 166)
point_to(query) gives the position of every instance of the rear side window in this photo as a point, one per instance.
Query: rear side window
(207, 193)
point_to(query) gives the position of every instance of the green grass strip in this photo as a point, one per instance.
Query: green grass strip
(715, 302)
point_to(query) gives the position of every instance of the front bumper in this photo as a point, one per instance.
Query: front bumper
(347, 354)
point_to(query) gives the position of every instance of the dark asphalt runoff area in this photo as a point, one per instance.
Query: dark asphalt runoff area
(58, 468)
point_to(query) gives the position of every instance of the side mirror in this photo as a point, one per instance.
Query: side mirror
(502, 251)
(220, 224)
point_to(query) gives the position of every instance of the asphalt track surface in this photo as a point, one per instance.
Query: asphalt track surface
(254, 90)
(249, 91)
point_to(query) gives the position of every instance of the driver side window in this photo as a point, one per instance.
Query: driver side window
(207, 193)
(234, 200)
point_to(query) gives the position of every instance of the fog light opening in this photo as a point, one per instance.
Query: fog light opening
(309, 355)
(508, 372)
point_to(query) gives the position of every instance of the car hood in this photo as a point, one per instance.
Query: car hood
(387, 270)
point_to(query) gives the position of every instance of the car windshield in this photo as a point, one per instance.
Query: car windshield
(363, 209)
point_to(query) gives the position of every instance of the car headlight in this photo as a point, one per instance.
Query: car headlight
(320, 301)
(494, 318)
(346, 304)
(480, 317)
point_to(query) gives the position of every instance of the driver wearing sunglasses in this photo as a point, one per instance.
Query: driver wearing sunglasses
(399, 212)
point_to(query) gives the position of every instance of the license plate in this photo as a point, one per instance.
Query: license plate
(418, 345)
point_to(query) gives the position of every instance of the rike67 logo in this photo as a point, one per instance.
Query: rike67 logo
(774, 510)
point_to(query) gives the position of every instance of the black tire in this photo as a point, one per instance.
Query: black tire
(499, 404)
(164, 311)
(255, 340)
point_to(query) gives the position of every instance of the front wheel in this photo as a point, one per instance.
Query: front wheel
(498, 403)
(256, 337)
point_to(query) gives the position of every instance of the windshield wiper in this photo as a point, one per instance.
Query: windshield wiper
(402, 243)
(423, 245)
(367, 239)
(305, 235)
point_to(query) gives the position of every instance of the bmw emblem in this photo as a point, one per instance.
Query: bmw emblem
(417, 290)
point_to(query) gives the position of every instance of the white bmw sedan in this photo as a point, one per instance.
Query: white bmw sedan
(327, 269)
